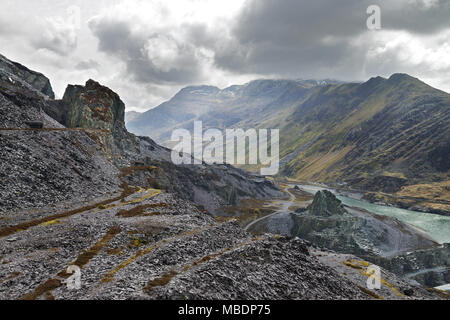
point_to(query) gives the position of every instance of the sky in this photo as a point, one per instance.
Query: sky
(146, 51)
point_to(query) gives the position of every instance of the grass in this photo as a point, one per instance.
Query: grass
(248, 209)
(439, 191)
(114, 251)
(370, 293)
(80, 147)
(50, 223)
(85, 257)
(160, 281)
(362, 266)
(140, 210)
(394, 174)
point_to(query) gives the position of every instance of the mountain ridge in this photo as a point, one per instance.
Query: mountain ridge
(379, 136)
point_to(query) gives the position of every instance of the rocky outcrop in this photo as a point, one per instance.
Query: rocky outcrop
(93, 106)
(328, 224)
(35, 79)
(326, 204)
(53, 165)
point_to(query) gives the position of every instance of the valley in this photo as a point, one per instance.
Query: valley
(78, 190)
(387, 137)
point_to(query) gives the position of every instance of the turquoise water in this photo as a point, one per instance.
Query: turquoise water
(437, 226)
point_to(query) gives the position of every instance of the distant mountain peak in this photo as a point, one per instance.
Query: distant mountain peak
(401, 76)
(198, 90)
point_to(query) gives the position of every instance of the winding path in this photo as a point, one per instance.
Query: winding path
(285, 204)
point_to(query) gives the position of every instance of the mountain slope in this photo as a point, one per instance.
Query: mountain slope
(386, 137)
(83, 154)
(242, 106)
(379, 135)
(20, 73)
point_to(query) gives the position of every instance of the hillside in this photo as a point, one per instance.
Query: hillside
(386, 138)
(83, 146)
(239, 106)
(378, 136)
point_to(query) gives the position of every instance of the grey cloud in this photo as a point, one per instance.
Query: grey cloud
(57, 36)
(151, 56)
(415, 16)
(295, 38)
(317, 38)
(87, 64)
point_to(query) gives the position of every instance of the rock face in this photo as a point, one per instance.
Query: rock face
(326, 204)
(97, 107)
(429, 267)
(35, 79)
(93, 106)
(45, 166)
(239, 106)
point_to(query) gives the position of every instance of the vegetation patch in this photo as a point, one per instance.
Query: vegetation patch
(362, 266)
(51, 222)
(441, 293)
(109, 276)
(11, 276)
(115, 251)
(81, 261)
(127, 191)
(370, 293)
(160, 282)
(140, 210)
(79, 146)
(247, 210)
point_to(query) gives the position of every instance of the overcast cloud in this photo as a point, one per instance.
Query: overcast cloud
(147, 50)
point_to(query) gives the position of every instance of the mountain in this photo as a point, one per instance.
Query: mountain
(241, 106)
(382, 136)
(386, 138)
(399, 125)
(131, 115)
(85, 129)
